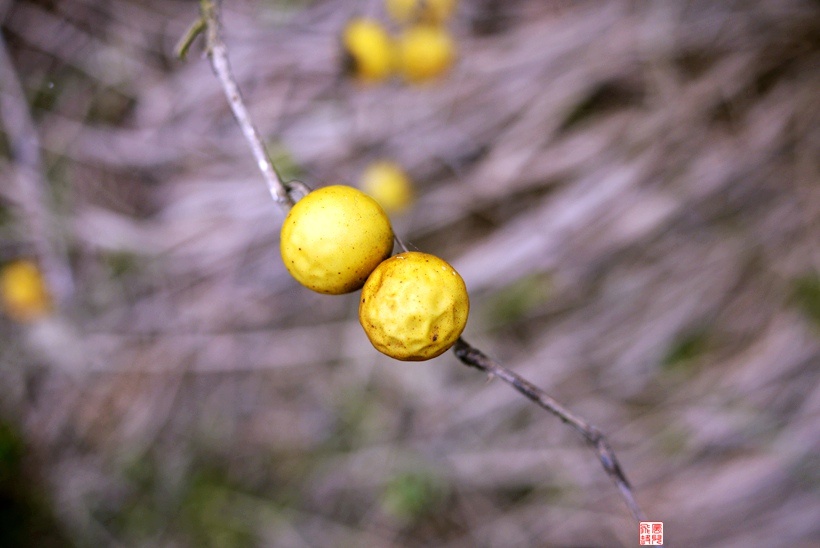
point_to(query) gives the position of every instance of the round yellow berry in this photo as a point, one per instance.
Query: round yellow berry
(414, 306)
(369, 50)
(24, 292)
(430, 11)
(333, 238)
(425, 52)
(387, 183)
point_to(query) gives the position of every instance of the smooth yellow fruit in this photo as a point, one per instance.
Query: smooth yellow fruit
(414, 306)
(24, 292)
(425, 52)
(389, 185)
(370, 50)
(333, 238)
(430, 11)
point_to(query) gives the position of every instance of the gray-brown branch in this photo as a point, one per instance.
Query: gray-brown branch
(218, 55)
(32, 186)
(465, 352)
(472, 356)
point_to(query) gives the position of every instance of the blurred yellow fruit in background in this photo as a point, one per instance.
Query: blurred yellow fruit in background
(24, 292)
(333, 238)
(428, 11)
(414, 306)
(389, 185)
(370, 51)
(425, 52)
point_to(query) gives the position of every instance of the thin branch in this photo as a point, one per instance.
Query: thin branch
(474, 357)
(218, 55)
(465, 352)
(32, 185)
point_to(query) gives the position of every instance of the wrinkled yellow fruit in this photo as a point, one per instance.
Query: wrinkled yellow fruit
(414, 306)
(388, 184)
(425, 52)
(430, 11)
(24, 292)
(333, 238)
(369, 49)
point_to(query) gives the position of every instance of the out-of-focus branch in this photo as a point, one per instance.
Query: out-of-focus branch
(218, 55)
(31, 195)
(474, 357)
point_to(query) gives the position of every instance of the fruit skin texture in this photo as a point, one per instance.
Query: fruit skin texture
(333, 238)
(389, 185)
(425, 52)
(24, 293)
(414, 306)
(370, 49)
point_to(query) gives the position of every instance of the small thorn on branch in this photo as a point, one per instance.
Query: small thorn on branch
(187, 40)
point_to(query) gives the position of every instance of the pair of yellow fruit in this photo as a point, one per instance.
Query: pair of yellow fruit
(422, 52)
(337, 239)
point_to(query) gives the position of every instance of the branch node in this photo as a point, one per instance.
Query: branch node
(297, 190)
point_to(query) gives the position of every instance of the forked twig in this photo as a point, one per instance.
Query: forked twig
(472, 356)
(465, 352)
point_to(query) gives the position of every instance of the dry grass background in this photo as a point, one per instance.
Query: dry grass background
(630, 190)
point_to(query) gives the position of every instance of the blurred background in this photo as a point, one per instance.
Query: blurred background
(631, 191)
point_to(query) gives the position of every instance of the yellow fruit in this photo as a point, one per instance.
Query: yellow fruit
(369, 49)
(24, 292)
(414, 306)
(430, 11)
(333, 238)
(425, 52)
(387, 183)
